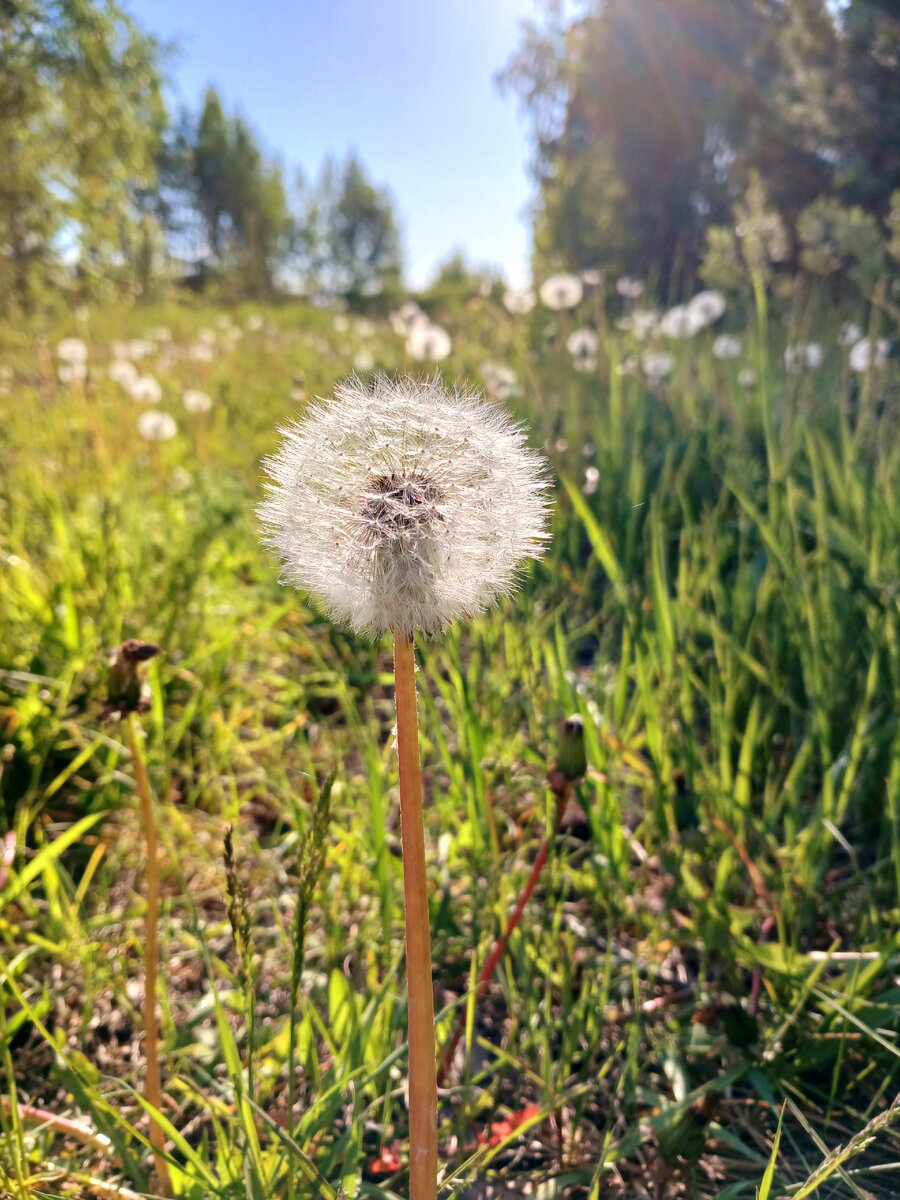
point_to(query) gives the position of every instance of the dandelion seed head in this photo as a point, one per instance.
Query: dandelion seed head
(864, 354)
(519, 300)
(72, 350)
(629, 287)
(404, 506)
(428, 343)
(561, 291)
(727, 345)
(706, 307)
(156, 426)
(583, 343)
(196, 402)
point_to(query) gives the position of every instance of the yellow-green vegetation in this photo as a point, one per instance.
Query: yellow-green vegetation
(712, 946)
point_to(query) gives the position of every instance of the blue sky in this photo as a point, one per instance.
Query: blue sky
(408, 84)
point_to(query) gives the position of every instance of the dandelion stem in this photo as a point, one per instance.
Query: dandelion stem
(422, 1070)
(152, 1089)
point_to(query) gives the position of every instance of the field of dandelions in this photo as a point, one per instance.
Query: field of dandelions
(702, 997)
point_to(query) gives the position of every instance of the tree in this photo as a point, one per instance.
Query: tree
(73, 179)
(360, 241)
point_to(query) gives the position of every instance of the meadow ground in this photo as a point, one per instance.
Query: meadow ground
(712, 946)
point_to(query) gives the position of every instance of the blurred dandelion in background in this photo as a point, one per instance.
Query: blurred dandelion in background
(803, 356)
(679, 323)
(629, 287)
(657, 364)
(519, 300)
(156, 426)
(72, 350)
(146, 389)
(726, 346)
(561, 292)
(863, 356)
(428, 343)
(196, 402)
(707, 307)
(583, 344)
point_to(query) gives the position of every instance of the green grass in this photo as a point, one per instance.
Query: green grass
(722, 611)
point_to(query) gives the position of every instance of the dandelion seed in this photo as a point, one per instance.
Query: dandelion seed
(657, 364)
(196, 402)
(428, 343)
(519, 300)
(862, 357)
(72, 350)
(156, 426)
(706, 307)
(561, 292)
(726, 346)
(583, 343)
(404, 506)
(629, 287)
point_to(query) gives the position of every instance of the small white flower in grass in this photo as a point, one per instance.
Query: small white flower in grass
(657, 364)
(405, 506)
(428, 343)
(561, 291)
(803, 356)
(591, 481)
(146, 390)
(850, 334)
(156, 426)
(124, 372)
(583, 343)
(706, 307)
(72, 350)
(519, 300)
(727, 345)
(864, 355)
(747, 377)
(680, 322)
(196, 402)
(629, 287)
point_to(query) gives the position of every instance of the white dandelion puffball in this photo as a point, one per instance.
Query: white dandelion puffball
(156, 426)
(124, 372)
(146, 390)
(583, 343)
(706, 307)
(592, 277)
(519, 300)
(629, 287)
(404, 506)
(428, 343)
(657, 364)
(680, 322)
(561, 291)
(72, 350)
(862, 356)
(727, 345)
(850, 334)
(196, 402)
(803, 356)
